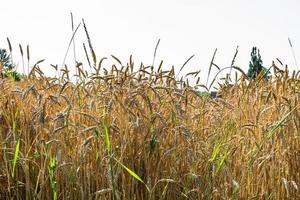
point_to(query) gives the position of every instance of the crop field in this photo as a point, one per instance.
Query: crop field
(123, 131)
(128, 132)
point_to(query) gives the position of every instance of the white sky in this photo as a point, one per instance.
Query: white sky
(124, 27)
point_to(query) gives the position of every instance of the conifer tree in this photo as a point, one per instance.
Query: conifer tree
(8, 66)
(256, 65)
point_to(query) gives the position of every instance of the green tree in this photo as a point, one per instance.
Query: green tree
(256, 65)
(8, 66)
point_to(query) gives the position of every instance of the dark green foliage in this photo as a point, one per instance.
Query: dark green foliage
(14, 75)
(256, 65)
(153, 142)
(5, 60)
(8, 66)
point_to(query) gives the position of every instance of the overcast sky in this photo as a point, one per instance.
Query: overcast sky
(185, 27)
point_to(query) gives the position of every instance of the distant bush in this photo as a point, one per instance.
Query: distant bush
(8, 67)
(203, 93)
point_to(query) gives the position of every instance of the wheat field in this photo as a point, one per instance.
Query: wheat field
(127, 132)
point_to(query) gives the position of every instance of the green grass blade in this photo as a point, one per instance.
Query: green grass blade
(106, 134)
(222, 161)
(16, 157)
(215, 152)
(278, 124)
(108, 149)
(53, 183)
(132, 173)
